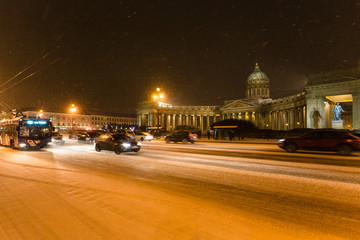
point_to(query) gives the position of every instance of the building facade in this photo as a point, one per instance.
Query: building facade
(66, 121)
(311, 108)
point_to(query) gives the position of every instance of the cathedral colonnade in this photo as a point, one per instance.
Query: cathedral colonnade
(169, 120)
(282, 114)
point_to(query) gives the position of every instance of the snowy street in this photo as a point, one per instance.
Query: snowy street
(205, 190)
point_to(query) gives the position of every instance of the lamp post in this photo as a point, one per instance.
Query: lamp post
(157, 97)
(72, 111)
(41, 113)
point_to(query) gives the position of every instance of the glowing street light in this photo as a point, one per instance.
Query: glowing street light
(41, 113)
(157, 97)
(73, 110)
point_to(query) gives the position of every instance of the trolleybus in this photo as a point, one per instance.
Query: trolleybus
(24, 132)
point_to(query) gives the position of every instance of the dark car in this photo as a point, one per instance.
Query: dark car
(116, 142)
(181, 136)
(57, 138)
(87, 137)
(324, 140)
(74, 134)
(159, 133)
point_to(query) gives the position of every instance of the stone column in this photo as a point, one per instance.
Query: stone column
(139, 120)
(304, 117)
(201, 123)
(173, 121)
(207, 122)
(327, 115)
(168, 122)
(291, 118)
(356, 111)
(150, 120)
(180, 119)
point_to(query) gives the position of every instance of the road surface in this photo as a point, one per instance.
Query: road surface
(176, 191)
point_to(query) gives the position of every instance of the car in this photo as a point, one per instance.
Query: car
(87, 137)
(128, 132)
(323, 140)
(117, 142)
(57, 138)
(181, 136)
(161, 133)
(143, 136)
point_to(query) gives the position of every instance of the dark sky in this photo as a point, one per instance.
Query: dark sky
(106, 56)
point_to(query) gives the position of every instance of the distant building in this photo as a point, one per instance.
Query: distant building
(308, 109)
(84, 122)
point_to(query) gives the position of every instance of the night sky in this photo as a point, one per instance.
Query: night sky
(107, 56)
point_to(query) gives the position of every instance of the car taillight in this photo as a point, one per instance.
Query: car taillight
(192, 135)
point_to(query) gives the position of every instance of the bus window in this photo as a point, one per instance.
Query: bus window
(24, 131)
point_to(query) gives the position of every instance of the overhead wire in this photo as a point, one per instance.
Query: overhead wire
(59, 46)
(30, 75)
(49, 53)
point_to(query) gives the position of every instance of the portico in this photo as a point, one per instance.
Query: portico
(325, 90)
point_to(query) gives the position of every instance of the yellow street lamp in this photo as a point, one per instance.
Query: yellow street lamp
(41, 113)
(73, 110)
(157, 97)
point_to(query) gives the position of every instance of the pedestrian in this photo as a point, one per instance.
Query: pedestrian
(231, 135)
(208, 134)
(198, 132)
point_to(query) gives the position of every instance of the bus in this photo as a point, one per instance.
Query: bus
(24, 132)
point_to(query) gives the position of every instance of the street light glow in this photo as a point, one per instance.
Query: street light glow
(73, 108)
(157, 97)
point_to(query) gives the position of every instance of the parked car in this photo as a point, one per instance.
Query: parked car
(328, 140)
(117, 142)
(159, 133)
(143, 136)
(73, 134)
(87, 137)
(57, 138)
(181, 136)
(128, 132)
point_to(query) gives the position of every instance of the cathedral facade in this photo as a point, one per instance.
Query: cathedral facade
(308, 109)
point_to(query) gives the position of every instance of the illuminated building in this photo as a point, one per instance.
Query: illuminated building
(296, 111)
(84, 122)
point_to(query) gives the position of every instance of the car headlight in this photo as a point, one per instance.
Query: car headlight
(87, 139)
(281, 140)
(139, 144)
(22, 145)
(126, 145)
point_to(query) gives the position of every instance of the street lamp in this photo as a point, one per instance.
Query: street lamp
(157, 97)
(72, 111)
(41, 113)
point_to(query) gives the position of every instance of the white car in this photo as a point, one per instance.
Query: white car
(143, 136)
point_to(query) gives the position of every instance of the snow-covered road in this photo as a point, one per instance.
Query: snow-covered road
(177, 191)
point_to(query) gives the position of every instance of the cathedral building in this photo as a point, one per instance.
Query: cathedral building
(308, 109)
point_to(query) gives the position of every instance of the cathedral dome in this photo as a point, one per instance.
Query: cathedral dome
(257, 77)
(258, 85)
